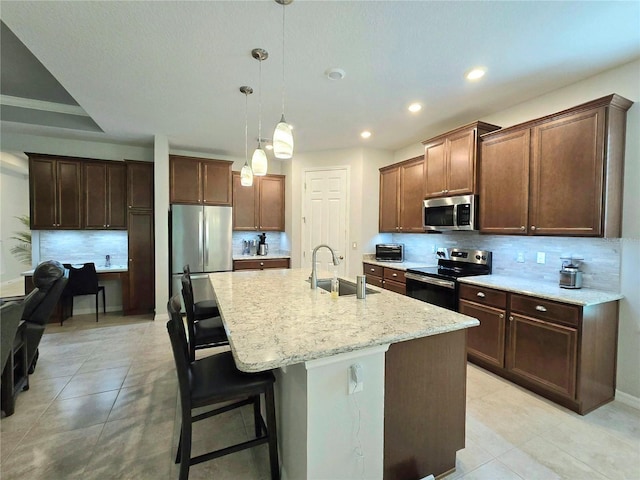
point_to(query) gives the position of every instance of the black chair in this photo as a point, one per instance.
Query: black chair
(13, 353)
(213, 380)
(204, 308)
(84, 281)
(50, 280)
(207, 332)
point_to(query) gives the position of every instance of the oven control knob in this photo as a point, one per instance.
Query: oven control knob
(477, 257)
(484, 257)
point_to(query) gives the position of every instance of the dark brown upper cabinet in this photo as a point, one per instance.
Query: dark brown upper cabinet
(451, 160)
(104, 186)
(200, 181)
(55, 192)
(401, 195)
(556, 175)
(260, 206)
(139, 185)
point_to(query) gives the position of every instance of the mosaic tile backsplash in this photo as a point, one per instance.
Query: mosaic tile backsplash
(601, 264)
(274, 240)
(83, 246)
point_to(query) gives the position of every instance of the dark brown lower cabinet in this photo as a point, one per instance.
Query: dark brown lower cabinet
(260, 264)
(564, 352)
(141, 278)
(385, 277)
(424, 405)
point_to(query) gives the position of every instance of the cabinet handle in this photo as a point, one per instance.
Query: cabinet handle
(480, 294)
(541, 308)
(533, 227)
(400, 228)
(262, 264)
(501, 315)
(395, 274)
(522, 228)
(373, 269)
(130, 206)
(510, 318)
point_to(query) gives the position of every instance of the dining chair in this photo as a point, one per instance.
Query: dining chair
(207, 332)
(204, 308)
(84, 281)
(212, 380)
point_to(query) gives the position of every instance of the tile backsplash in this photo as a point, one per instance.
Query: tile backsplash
(274, 240)
(601, 264)
(83, 246)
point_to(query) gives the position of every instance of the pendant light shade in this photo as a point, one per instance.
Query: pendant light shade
(259, 162)
(246, 174)
(259, 158)
(283, 140)
(283, 134)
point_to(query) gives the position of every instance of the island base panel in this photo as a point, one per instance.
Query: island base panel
(424, 405)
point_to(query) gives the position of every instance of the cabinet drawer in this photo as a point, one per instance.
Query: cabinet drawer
(394, 275)
(375, 281)
(370, 269)
(397, 287)
(260, 264)
(545, 309)
(484, 296)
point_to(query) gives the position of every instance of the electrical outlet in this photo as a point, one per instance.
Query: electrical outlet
(541, 257)
(354, 245)
(355, 382)
(520, 257)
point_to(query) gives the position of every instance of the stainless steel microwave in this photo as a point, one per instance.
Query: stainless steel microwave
(450, 213)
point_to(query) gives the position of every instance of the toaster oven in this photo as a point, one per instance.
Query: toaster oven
(390, 252)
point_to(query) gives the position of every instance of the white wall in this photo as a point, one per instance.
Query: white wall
(14, 201)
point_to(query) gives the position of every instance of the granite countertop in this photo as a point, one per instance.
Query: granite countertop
(399, 265)
(99, 269)
(261, 257)
(274, 319)
(548, 290)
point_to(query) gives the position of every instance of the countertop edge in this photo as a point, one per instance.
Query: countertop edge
(261, 257)
(583, 297)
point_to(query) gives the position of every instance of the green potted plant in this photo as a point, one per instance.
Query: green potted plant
(22, 251)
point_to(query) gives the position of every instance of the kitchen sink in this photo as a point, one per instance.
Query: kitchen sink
(345, 287)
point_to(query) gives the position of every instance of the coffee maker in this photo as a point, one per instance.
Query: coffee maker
(263, 248)
(570, 274)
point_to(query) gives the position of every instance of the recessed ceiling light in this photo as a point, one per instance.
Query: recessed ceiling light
(476, 73)
(365, 134)
(335, 74)
(415, 107)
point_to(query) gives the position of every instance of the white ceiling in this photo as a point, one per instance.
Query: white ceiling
(174, 68)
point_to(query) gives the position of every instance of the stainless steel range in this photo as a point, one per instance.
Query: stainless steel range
(439, 285)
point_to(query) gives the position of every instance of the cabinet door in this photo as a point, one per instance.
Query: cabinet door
(436, 169)
(141, 262)
(69, 198)
(485, 342)
(116, 196)
(461, 158)
(185, 180)
(412, 177)
(504, 183)
(567, 175)
(244, 205)
(543, 353)
(42, 185)
(389, 197)
(271, 203)
(216, 182)
(94, 182)
(139, 185)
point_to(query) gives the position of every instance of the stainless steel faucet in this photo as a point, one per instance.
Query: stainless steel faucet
(314, 275)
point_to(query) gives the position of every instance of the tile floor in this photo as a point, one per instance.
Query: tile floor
(102, 405)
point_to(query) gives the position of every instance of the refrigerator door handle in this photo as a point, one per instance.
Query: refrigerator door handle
(200, 234)
(206, 242)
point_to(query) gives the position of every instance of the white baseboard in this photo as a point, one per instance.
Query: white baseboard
(627, 399)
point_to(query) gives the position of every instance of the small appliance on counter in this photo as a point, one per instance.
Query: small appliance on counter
(263, 247)
(390, 252)
(570, 274)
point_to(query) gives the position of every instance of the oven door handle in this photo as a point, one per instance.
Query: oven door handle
(431, 281)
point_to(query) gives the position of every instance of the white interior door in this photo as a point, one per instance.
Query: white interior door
(325, 217)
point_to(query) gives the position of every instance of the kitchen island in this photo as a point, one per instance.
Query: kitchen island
(402, 417)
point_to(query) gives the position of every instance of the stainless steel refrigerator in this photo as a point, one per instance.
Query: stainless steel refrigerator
(201, 238)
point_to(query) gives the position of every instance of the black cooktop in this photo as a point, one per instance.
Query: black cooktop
(451, 272)
(459, 263)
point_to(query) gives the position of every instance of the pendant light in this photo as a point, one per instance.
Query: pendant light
(246, 174)
(283, 134)
(259, 158)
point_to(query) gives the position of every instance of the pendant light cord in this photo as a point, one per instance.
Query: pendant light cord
(260, 105)
(283, 82)
(246, 128)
